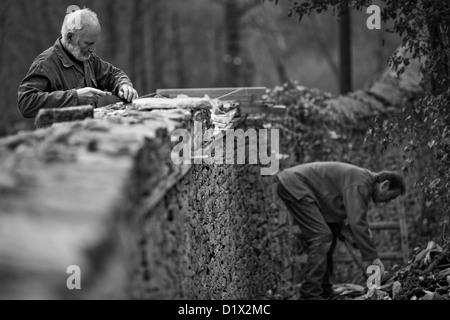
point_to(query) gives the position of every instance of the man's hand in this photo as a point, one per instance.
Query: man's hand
(90, 95)
(127, 93)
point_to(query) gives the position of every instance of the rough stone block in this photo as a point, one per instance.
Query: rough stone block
(46, 117)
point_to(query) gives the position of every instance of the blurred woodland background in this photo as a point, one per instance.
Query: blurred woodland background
(195, 43)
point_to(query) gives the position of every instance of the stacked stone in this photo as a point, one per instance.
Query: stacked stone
(68, 199)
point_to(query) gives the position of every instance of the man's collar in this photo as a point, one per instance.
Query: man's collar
(62, 54)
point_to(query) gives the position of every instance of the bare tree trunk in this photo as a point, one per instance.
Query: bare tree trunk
(345, 49)
(157, 35)
(4, 7)
(51, 19)
(143, 54)
(233, 38)
(437, 40)
(234, 13)
(274, 42)
(136, 45)
(324, 47)
(32, 13)
(4, 121)
(148, 47)
(177, 44)
(219, 81)
(111, 15)
(381, 60)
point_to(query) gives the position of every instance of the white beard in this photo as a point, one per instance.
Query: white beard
(76, 52)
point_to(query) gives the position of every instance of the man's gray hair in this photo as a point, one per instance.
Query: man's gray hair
(77, 20)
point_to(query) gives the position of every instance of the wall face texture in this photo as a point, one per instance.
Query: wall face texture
(220, 233)
(218, 236)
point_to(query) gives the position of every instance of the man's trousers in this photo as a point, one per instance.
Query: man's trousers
(320, 237)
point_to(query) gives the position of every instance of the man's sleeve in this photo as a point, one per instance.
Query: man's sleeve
(356, 200)
(34, 94)
(109, 77)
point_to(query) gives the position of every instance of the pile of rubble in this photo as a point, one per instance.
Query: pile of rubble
(425, 277)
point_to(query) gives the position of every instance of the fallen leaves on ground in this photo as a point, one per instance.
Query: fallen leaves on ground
(425, 277)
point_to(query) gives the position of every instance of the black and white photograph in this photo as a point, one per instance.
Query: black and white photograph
(225, 157)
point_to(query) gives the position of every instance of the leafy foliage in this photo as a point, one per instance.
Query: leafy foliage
(424, 26)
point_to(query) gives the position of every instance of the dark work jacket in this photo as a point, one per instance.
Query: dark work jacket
(53, 79)
(342, 191)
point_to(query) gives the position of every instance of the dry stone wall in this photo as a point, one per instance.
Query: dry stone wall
(103, 194)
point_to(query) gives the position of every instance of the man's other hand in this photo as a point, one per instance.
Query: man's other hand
(90, 95)
(127, 93)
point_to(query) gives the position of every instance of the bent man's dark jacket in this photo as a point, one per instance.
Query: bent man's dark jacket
(342, 191)
(53, 79)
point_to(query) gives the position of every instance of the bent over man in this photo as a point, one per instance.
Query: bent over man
(322, 195)
(70, 73)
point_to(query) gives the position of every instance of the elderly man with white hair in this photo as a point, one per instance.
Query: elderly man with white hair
(70, 73)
